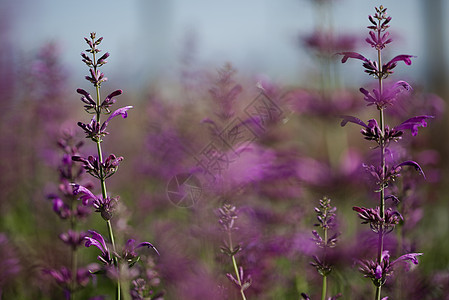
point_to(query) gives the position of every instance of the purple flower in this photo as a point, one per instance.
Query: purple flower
(73, 238)
(109, 100)
(96, 77)
(245, 280)
(227, 215)
(104, 206)
(391, 173)
(413, 124)
(60, 208)
(93, 130)
(372, 131)
(86, 194)
(225, 92)
(123, 111)
(378, 41)
(372, 67)
(388, 95)
(326, 221)
(63, 277)
(90, 104)
(372, 217)
(98, 241)
(322, 266)
(355, 55)
(129, 252)
(392, 63)
(394, 171)
(100, 170)
(102, 60)
(86, 59)
(379, 272)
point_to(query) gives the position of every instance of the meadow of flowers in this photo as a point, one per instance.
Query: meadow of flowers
(229, 186)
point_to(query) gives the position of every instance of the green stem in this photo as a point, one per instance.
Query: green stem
(383, 168)
(324, 289)
(236, 269)
(73, 254)
(103, 182)
(378, 290)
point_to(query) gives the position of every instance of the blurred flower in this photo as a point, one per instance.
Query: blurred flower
(225, 92)
(63, 278)
(73, 238)
(9, 260)
(327, 43)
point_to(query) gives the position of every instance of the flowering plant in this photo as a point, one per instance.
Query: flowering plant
(383, 219)
(102, 169)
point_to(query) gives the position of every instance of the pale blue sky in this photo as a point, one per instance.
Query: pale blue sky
(147, 36)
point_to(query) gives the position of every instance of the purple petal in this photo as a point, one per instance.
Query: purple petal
(109, 100)
(385, 255)
(378, 272)
(57, 204)
(87, 194)
(402, 84)
(347, 55)
(413, 124)
(112, 95)
(354, 120)
(358, 209)
(149, 245)
(413, 257)
(130, 244)
(403, 57)
(368, 97)
(96, 240)
(412, 164)
(84, 93)
(121, 111)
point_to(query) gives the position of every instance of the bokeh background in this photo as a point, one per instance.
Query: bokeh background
(190, 69)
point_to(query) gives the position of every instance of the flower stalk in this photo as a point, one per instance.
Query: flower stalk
(227, 216)
(100, 159)
(326, 221)
(383, 167)
(382, 220)
(98, 167)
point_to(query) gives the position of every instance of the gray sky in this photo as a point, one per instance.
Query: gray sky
(147, 36)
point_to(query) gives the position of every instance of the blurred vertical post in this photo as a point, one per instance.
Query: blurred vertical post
(156, 38)
(434, 38)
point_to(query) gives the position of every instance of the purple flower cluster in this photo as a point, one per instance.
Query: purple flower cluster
(227, 215)
(382, 219)
(114, 263)
(325, 240)
(66, 206)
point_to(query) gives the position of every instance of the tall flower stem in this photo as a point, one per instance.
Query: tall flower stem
(236, 269)
(102, 179)
(74, 256)
(324, 287)
(383, 168)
